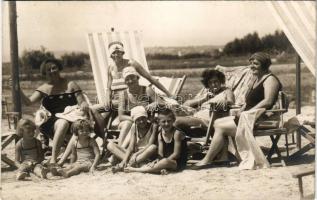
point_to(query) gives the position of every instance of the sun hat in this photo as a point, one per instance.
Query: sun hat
(72, 114)
(137, 112)
(115, 46)
(129, 71)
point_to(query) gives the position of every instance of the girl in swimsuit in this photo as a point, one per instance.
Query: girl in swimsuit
(141, 147)
(83, 148)
(28, 151)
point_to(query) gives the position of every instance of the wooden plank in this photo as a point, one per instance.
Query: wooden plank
(304, 172)
(7, 160)
(7, 141)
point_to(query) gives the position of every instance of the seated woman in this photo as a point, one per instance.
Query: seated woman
(134, 95)
(215, 92)
(263, 93)
(55, 95)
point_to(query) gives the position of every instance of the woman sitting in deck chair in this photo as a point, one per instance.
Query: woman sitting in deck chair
(214, 92)
(134, 95)
(263, 93)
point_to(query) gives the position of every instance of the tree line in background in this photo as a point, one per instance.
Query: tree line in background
(272, 43)
(275, 44)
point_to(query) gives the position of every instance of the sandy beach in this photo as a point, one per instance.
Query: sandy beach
(214, 183)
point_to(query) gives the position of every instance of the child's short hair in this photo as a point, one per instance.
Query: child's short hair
(167, 112)
(22, 123)
(79, 125)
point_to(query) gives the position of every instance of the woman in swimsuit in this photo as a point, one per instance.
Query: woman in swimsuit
(263, 93)
(55, 95)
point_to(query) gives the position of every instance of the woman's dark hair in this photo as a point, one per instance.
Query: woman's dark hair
(51, 60)
(263, 58)
(79, 125)
(210, 73)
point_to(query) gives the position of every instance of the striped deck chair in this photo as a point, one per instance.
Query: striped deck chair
(100, 59)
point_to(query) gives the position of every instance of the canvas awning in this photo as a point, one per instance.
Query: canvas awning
(298, 21)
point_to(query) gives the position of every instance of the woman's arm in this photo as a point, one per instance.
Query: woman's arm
(148, 77)
(35, 97)
(97, 154)
(18, 155)
(122, 108)
(70, 148)
(73, 86)
(271, 89)
(178, 137)
(197, 100)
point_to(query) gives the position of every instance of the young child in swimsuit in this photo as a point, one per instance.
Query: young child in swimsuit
(141, 145)
(83, 147)
(28, 151)
(172, 147)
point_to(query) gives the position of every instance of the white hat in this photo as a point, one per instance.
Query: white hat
(72, 114)
(138, 111)
(129, 71)
(115, 46)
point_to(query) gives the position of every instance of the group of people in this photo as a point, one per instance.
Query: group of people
(152, 142)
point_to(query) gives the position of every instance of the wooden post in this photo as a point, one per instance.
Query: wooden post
(298, 96)
(14, 56)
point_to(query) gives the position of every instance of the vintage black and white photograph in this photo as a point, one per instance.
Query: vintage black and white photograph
(158, 100)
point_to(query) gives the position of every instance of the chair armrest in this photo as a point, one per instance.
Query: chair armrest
(277, 110)
(305, 172)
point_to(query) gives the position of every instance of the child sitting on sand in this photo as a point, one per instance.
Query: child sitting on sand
(83, 147)
(28, 151)
(141, 142)
(172, 147)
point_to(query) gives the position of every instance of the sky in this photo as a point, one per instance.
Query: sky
(61, 26)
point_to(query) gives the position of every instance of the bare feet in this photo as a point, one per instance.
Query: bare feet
(21, 176)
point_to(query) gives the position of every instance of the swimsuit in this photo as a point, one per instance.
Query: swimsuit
(85, 155)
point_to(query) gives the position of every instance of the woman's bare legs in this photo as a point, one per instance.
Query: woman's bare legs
(150, 151)
(118, 151)
(124, 127)
(60, 128)
(165, 163)
(223, 127)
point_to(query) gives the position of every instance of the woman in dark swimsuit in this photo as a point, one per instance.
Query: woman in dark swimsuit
(55, 95)
(263, 93)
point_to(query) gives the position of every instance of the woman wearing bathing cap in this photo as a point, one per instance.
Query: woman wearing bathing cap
(141, 142)
(118, 63)
(134, 95)
(263, 93)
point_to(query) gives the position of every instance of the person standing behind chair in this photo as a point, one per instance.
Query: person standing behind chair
(263, 93)
(215, 92)
(172, 147)
(118, 63)
(55, 95)
(28, 151)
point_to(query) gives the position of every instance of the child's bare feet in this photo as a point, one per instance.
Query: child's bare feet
(62, 173)
(44, 172)
(164, 172)
(21, 176)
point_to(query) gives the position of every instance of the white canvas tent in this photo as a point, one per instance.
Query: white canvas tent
(298, 21)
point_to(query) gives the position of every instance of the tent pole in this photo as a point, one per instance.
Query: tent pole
(16, 99)
(298, 96)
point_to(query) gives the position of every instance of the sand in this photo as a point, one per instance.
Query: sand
(214, 183)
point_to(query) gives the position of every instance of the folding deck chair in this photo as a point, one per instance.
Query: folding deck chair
(239, 79)
(8, 136)
(100, 59)
(299, 175)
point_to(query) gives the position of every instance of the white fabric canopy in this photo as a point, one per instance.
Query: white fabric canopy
(298, 21)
